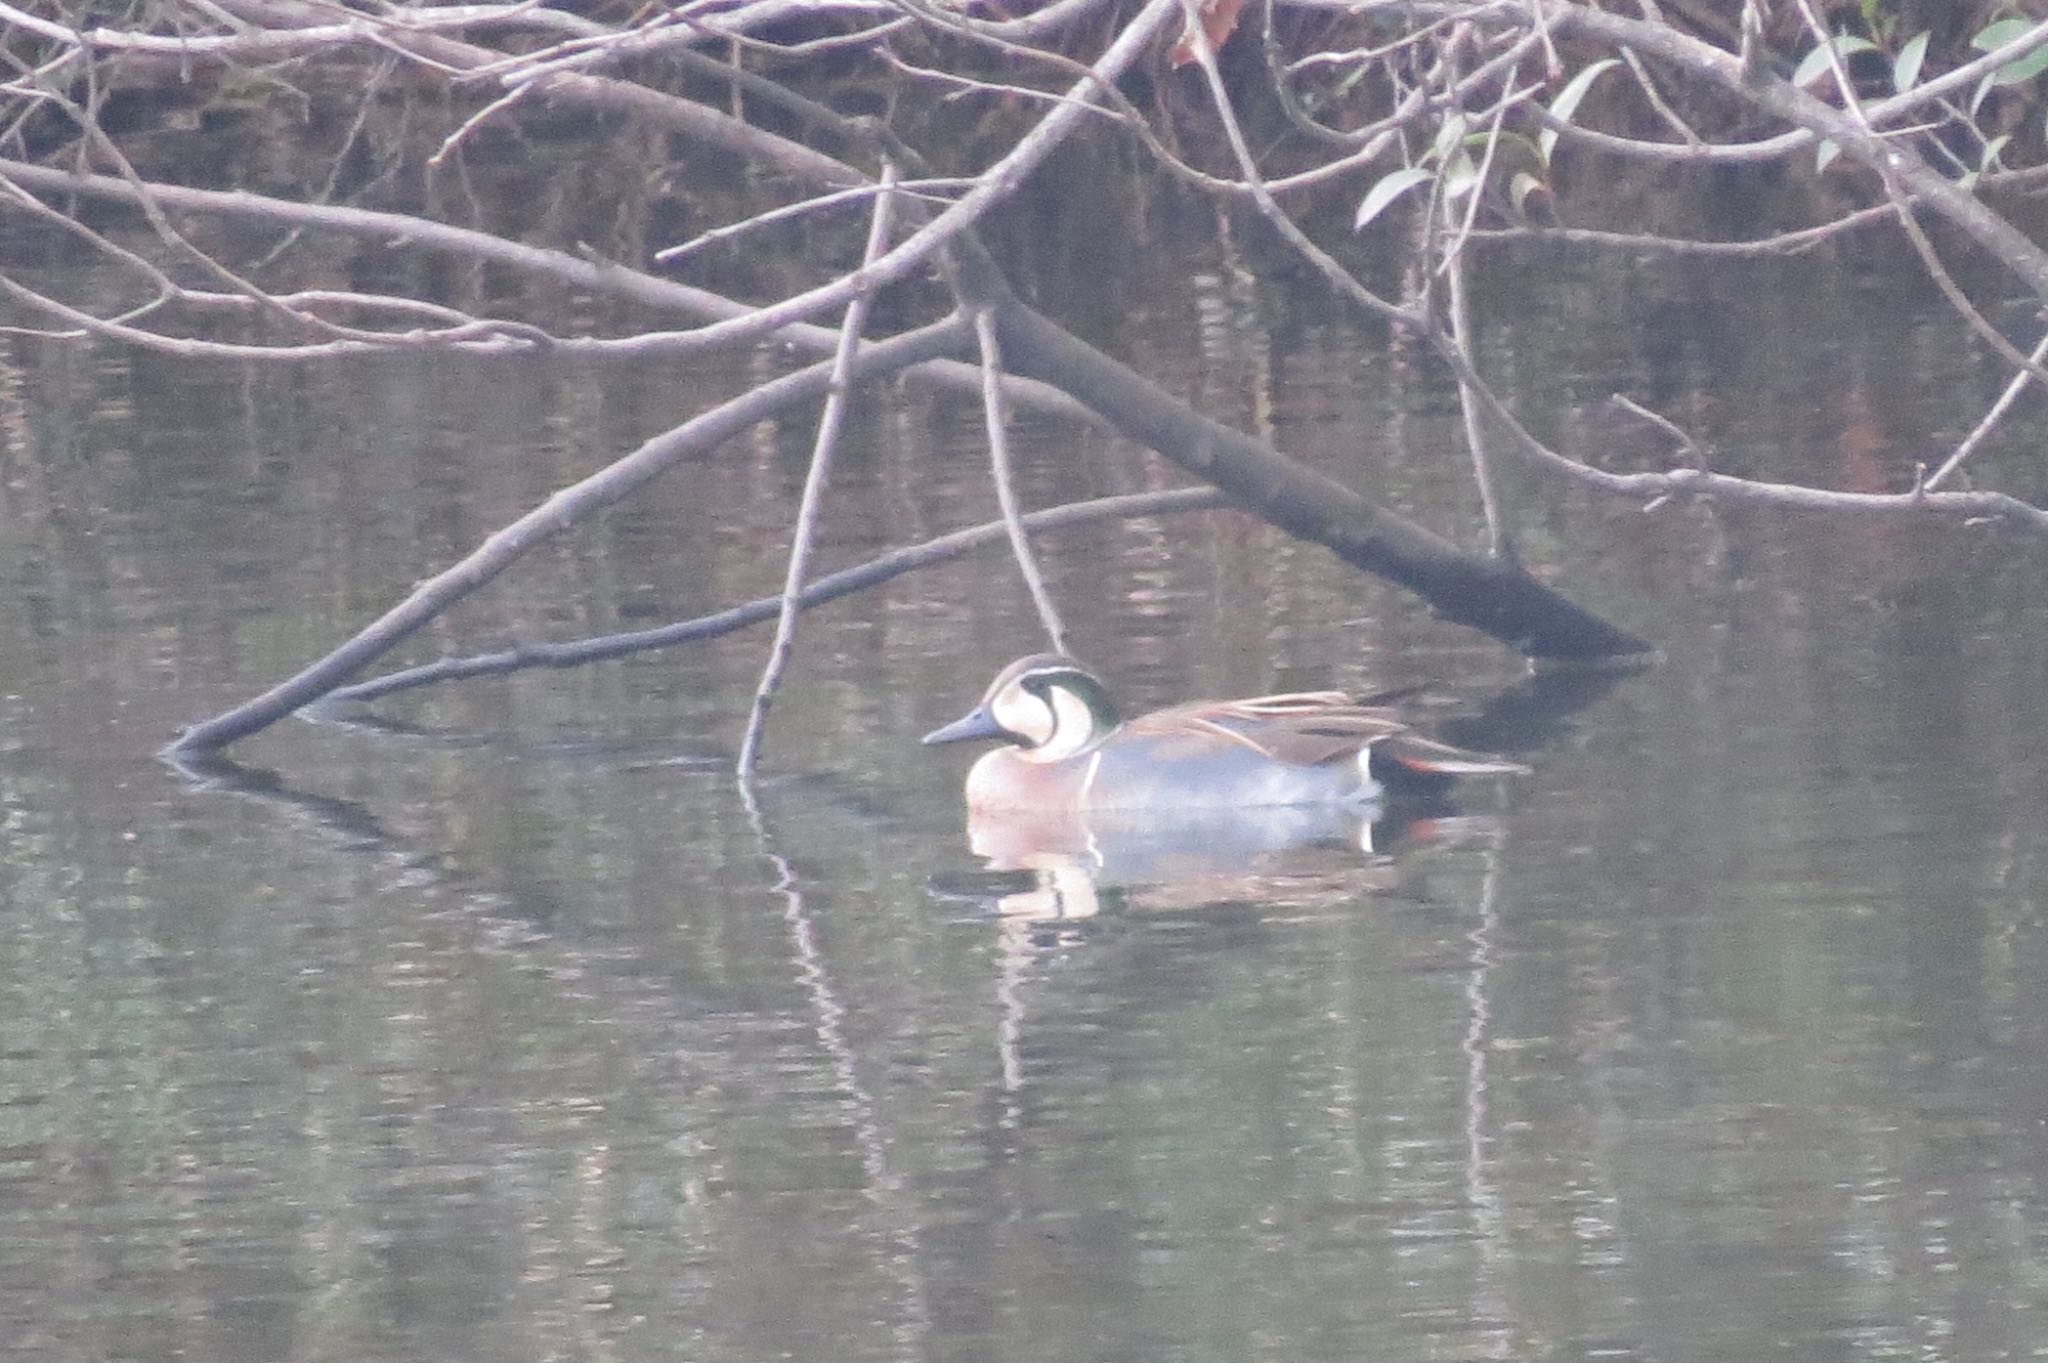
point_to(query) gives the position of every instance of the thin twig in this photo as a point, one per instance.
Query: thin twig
(1500, 537)
(911, 255)
(837, 395)
(1696, 456)
(1930, 259)
(1657, 101)
(916, 251)
(1657, 489)
(1972, 442)
(1006, 491)
(606, 281)
(1838, 68)
(516, 95)
(1205, 58)
(1778, 244)
(1902, 204)
(669, 255)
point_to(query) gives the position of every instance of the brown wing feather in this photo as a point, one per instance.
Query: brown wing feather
(1302, 728)
(1309, 728)
(1427, 757)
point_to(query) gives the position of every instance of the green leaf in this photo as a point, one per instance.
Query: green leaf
(2025, 69)
(1567, 102)
(1998, 35)
(1817, 61)
(1824, 155)
(1906, 66)
(1389, 188)
(1989, 160)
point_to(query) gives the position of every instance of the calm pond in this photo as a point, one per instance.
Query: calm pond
(494, 1025)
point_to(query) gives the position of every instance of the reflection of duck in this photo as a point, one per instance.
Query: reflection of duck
(1135, 846)
(1059, 864)
(1068, 749)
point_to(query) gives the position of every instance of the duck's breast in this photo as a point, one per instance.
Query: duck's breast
(1004, 779)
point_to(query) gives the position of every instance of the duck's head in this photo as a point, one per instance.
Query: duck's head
(1049, 706)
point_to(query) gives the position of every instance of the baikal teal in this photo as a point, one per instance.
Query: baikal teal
(1067, 747)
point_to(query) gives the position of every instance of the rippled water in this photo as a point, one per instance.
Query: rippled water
(504, 1029)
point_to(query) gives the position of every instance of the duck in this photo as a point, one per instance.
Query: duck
(1066, 746)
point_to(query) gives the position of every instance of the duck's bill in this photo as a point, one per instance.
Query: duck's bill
(976, 723)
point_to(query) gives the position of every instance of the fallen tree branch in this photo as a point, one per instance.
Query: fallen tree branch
(560, 511)
(828, 588)
(1491, 596)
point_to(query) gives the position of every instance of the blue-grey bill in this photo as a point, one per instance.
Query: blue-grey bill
(976, 723)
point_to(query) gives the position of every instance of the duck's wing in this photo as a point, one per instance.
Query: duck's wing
(1309, 728)
(1300, 728)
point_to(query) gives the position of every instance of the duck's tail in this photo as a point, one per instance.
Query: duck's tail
(1410, 761)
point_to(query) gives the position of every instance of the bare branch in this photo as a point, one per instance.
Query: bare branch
(1778, 244)
(831, 587)
(1500, 537)
(838, 390)
(931, 189)
(995, 184)
(560, 511)
(1662, 42)
(1655, 489)
(1663, 423)
(999, 466)
(1270, 208)
(1995, 234)
(1982, 430)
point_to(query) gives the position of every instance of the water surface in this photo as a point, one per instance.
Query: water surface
(504, 1029)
